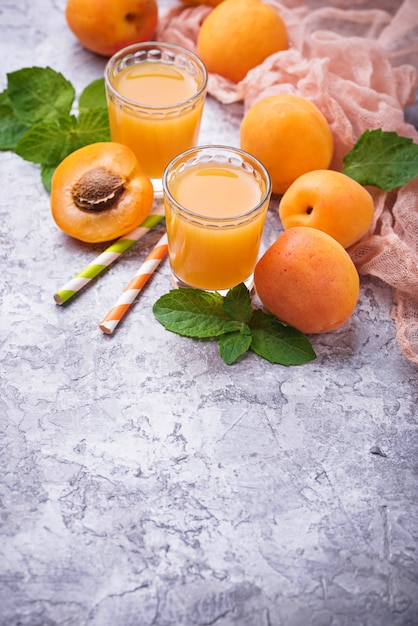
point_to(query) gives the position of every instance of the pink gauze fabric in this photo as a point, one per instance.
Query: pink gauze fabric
(359, 67)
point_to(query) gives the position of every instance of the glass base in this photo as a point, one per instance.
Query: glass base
(178, 283)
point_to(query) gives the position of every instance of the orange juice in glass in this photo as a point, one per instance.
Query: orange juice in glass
(216, 200)
(155, 94)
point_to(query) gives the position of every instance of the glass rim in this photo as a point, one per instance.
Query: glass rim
(218, 220)
(149, 45)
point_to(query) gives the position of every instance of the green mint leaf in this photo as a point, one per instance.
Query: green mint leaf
(383, 159)
(194, 313)
(200, 314)
(47, 172)
(49, 142)
(237, 303)
(93, 96)
(277, 342)
(39, 94)
(11, 128)
(4, 98)
(234, 345)
(93, 126)
(36, 121)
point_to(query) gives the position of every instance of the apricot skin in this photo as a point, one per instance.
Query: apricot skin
(106, 26)
(330, 201)
(307, 280)
(289, 135)
(130, 209)
(238, 35)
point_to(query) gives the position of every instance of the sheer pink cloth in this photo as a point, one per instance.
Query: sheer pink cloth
(359, 66)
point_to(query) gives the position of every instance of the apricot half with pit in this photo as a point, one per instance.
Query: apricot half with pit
(100, 192)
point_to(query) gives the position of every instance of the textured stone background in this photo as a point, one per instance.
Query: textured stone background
(146, 483)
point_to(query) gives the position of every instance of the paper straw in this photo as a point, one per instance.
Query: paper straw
(107, 257)
(148, 267)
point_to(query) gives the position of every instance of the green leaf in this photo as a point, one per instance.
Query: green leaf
(383, 159)
(93, 96)
(47, 172)
(39, 94)
(237, 303)
(201, 314)
(36, 121)
(278, 342)
(11, 128)
(49, 142)
(234, 345)
(194, 313)
(93, 126)
(4, 98)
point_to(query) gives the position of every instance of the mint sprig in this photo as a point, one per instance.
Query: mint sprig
(38, 120)
(231, 319)
(38, 94)
(11, 128)
(383, 159)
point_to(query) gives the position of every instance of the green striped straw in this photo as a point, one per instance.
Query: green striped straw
(113, 252)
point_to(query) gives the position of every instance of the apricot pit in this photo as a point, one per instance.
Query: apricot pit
(97, 189)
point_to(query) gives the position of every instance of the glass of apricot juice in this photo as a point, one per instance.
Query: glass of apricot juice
(216, 200)
(155, 95)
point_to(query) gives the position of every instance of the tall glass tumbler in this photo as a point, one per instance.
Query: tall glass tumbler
(155, 94)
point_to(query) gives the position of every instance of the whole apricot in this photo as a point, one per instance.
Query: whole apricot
(237, 35)
(99, 192)
(307, 280)
(330, 201)
(289, 135)
(106, 26)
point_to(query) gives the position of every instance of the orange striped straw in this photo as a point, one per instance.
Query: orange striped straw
(135, 286)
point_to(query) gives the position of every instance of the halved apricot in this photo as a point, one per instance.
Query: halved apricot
(100, 192)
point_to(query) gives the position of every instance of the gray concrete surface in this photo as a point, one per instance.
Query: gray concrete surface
(146, 483)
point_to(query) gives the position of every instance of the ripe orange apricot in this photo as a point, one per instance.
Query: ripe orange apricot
(106, 26)
(237, 35)
(289, 135)
(99, 192)
(330, 201)
(307, 280)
